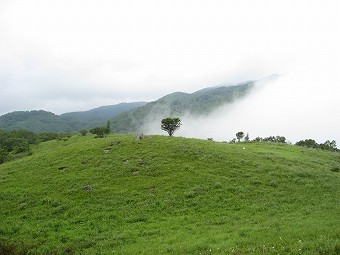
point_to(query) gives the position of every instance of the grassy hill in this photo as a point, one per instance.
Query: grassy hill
(170, 195)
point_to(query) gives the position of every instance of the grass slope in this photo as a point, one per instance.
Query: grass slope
(169, 195)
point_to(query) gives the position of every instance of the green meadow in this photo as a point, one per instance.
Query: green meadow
(169, 195)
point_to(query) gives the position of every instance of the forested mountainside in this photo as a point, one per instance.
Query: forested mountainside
(126, 117)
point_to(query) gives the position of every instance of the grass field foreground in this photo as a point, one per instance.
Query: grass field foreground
(170, 195)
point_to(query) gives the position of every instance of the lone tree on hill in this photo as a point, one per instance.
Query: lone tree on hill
(239, 136)
(108, 127)
(171, 125)
(246, 138)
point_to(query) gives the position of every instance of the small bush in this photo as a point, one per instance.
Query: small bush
(337, 248)
(11, 249)
(273, 184)
(7, 249)
(256, 182)
(190, 194)
(83, 132)
(217, 185)
(335, 169)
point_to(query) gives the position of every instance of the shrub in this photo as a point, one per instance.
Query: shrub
(100, 132)
(335, 169)
(83, 132)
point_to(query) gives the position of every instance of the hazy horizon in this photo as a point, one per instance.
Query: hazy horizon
(250, 116)
(73, 55)
(234, 83)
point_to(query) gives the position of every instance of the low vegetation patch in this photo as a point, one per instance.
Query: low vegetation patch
(17, 143)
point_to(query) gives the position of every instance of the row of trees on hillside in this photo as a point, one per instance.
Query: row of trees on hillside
(170, 125)
(310, 143)
(241, 137)
(16, 142)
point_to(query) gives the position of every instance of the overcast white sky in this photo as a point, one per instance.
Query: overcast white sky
(70, 55)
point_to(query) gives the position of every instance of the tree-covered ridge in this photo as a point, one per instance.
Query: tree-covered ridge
(39, 122)
(42, 121)
(103, 112)
(179, 103)
(202, 101)
(126, 117)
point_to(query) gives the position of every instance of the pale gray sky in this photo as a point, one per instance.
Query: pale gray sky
(69, 55)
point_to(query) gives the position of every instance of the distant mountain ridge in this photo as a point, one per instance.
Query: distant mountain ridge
(127, 117)
(40, 121)
(103, 112)
(177, 104)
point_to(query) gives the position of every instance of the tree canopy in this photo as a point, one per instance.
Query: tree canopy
(171, 125)
(239, 136)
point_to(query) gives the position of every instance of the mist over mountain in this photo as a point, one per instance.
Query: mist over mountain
(103, 112)
(44, 121)
(277, 105)
(129, 117)
(213, 118)
(178, 104)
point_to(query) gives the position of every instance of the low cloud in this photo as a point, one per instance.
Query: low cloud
(275, 107)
